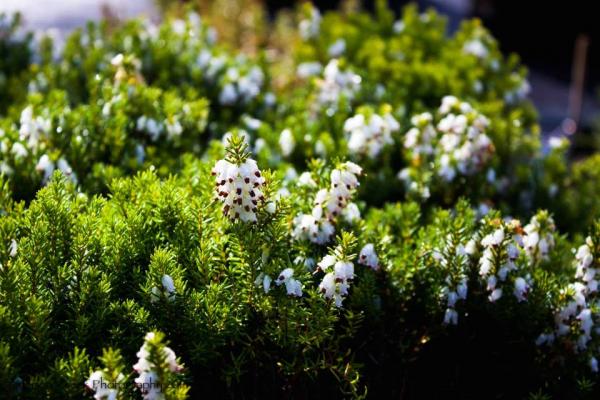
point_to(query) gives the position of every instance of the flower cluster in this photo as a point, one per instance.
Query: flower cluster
(577, 318)
(456, 145)
(153, 357)
(102, 386)
(310, 26)
(241, 87)
(453, 259)
(151, 126)
(539, 238)
(47, 167)
(500, 264)
(335, 85)
(239, 185)
(32, 128)
(369, 133)
(319, 225)
(339, 272)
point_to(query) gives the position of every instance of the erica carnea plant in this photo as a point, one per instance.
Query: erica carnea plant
(356, 205)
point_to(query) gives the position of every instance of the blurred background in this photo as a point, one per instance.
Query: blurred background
(558, 41)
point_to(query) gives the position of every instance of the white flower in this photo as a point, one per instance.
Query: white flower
(286, 142)
(594, 364)
(328, 204)
(19, 151)
(32, 127)
(140, 153)
(456, 145)
(252, 123)
(271, 207)
(267, 283)
(292, 286)
(586, 321)
(351, 213)
(521, 289)
(308, 69)
(228, 94)
(369, 137)
(493, 239)
(336, 84)
(337, 48)
(117, 60)
(46, 166)
(13, 248)
(368, 257)
(558, 142)
(309, 28)
(168, 284)
(476, 48)
(308, 227)
(239, 188)
(451, 317)
(66, 169)
(336, 282)
(174, 128)
(471, 247)
(512, 251)
(330, 289)
(306, 179)
(147, 369)
(539, 239)
(327, 262)
(344, 270)
(148, 383)
(448, 102)
(461, 290)
(495, 295)
(104, 389)
(544, 338)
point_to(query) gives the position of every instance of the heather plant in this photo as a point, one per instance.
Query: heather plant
(367, 211)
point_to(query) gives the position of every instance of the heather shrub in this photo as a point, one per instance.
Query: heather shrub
(366, 211)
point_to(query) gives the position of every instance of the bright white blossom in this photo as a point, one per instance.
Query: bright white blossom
(311, 25)
(104, 388)
(336, 84)
(456, 146)
(368, 256)
(338, 275)
(351, 213)
(476, 48)
(292, 286)
(539, 236)
(13, 248)
(286, 142)
(168, 289)
(454, 261)
(45, 166)
(239, 188)
(146, 368)
(576, 320)
(33, 128)
(308, 69)
(500, 264)
(368, 135)
(241, 87)
(337, 48)
(319, 225)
